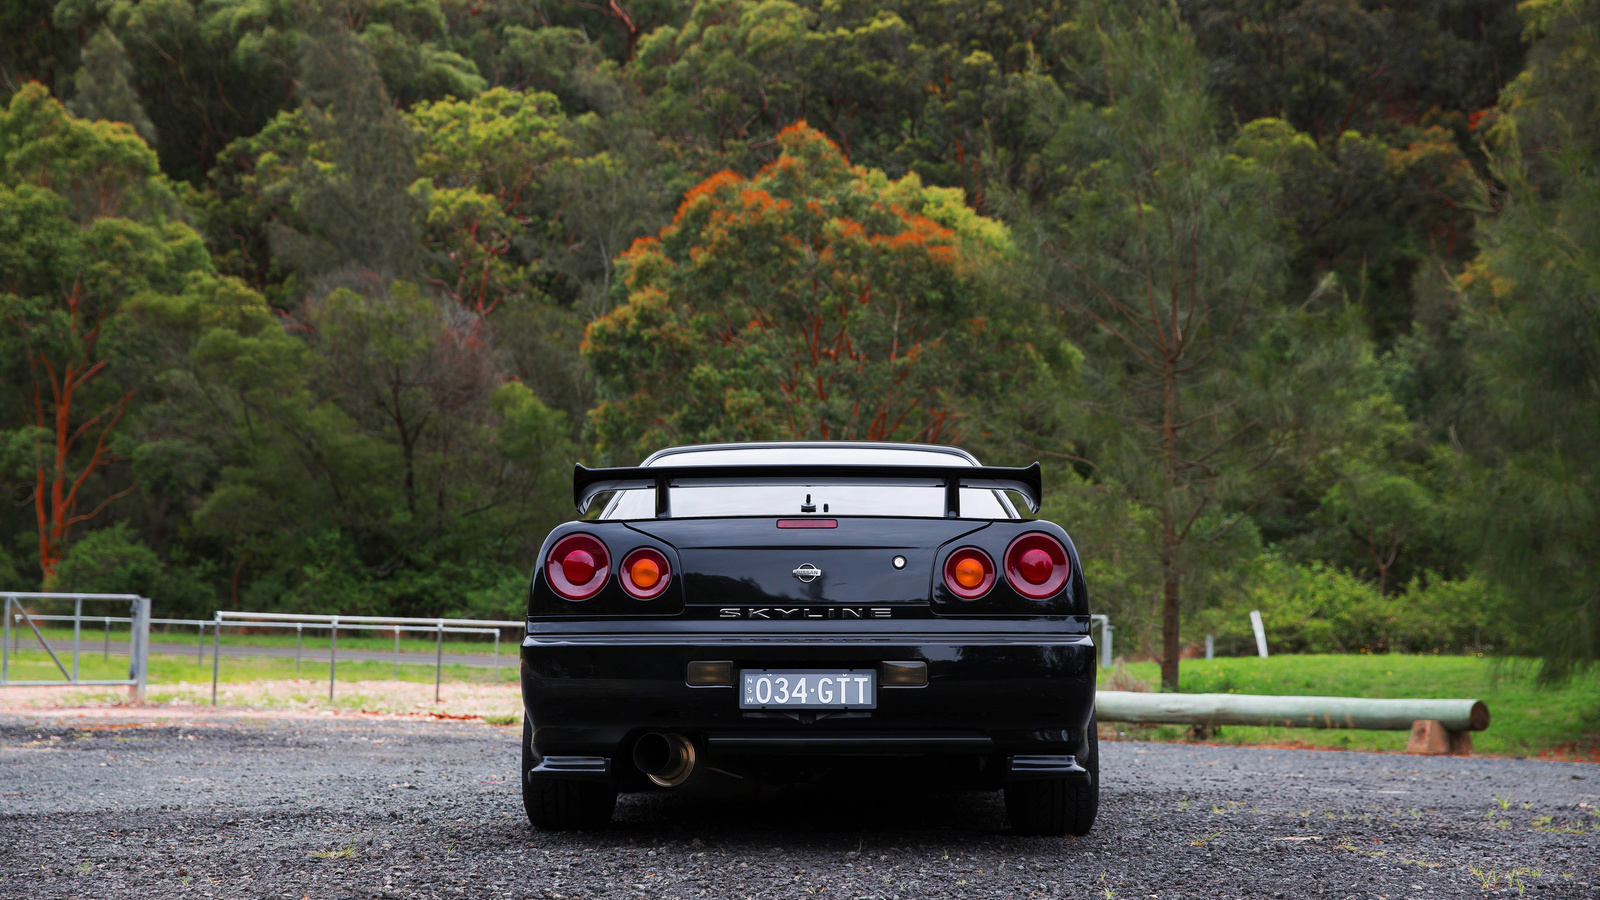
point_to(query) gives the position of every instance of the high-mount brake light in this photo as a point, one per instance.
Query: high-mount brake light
(578, 567)
(645, 573)
(969, 573)
(1037, 566)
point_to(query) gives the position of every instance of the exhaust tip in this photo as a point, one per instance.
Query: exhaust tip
(667, 759)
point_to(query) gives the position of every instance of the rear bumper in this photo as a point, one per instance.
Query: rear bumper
(995, 689)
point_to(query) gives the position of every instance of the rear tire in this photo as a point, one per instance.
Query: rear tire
(1056, 806)
(562, 804)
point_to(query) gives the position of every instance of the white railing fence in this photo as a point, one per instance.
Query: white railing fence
(333, 624)
(15, 615)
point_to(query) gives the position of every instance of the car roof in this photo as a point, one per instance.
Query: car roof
(800, 452)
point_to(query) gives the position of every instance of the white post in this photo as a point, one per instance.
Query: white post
(497, 656)
(1261, 632)
(216, 654)
(140, 650)
(77, 634)
(5, 647)
(1106, 632)
(298, 632)
(397, 653)
(1209, 649)
(438, 659)
(333, 658)
(105, 652)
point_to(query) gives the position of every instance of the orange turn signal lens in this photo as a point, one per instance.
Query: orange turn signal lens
(969, 573)
(645, 573)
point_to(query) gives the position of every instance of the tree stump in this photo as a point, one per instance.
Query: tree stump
(1429, 738)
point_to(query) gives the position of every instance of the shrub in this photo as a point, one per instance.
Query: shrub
(1320, 609)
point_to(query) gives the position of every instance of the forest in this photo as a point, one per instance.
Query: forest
(311, 305)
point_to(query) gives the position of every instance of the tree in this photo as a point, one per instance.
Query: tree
(815, 300)
(103, 88)
(370, 456)
(1169, 260)
(487, 162)
(945, 89)
(355, 210)
(1370, 66)
(1533, 300)
(212, 72)
(85, 224)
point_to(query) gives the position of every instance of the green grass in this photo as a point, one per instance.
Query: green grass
(412, 642)
(33, 665)
(1526, 720)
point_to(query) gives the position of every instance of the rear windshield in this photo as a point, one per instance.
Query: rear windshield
(918, 501)
(787, 500)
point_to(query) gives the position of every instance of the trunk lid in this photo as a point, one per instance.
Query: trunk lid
(753, 562)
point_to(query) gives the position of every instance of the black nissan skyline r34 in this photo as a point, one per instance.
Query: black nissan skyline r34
(770, 608)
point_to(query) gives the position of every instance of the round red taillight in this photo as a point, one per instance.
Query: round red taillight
(1037, 565)
(578, 566)
(645, 573)
(969, 573)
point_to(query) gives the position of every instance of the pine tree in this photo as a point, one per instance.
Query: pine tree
(1168, 260)
(1536, 342)
(355, 210)
(103, 87)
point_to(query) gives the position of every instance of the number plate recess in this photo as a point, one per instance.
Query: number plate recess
(808, 688)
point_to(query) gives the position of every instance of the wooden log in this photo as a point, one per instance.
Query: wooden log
(1211, 710)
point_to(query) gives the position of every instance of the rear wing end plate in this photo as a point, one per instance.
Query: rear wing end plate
(588, 483)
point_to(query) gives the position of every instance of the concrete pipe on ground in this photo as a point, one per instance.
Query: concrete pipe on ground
(1291, 712)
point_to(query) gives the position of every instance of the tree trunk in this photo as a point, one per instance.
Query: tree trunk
(1169, 603)
(1171, 541)
(55, 490)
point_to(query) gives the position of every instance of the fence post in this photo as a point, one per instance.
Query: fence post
(5, 647)
(333, 658)
(1106, 632)
(397, 653)
(438, 660)
(216, 653)
(77, 634)
(200, 646)
(1209, 648)
(1261, 633)
(140, 649)
(105, 652)
(497, 656)
(299, 630)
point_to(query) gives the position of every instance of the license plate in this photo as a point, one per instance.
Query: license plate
(808, 689)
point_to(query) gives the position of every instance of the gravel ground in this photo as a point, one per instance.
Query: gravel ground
(297, 698)
(234, 806)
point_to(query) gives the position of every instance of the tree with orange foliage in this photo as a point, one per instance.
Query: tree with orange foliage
(84, 224)
(815, 300)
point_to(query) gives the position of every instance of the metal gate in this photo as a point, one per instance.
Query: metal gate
(16, 615)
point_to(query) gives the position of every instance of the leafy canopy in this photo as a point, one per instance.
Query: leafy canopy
(814, 300)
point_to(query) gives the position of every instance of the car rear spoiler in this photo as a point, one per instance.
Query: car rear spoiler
(588, 483)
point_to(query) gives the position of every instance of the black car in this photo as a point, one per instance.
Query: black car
(766, 609)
